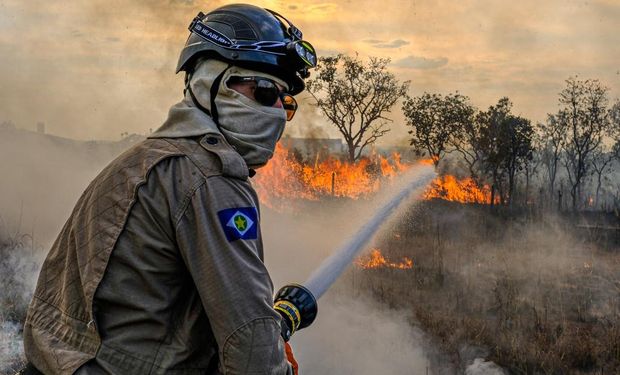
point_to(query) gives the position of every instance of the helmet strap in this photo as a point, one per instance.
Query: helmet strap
(188, 77)
(215, 87)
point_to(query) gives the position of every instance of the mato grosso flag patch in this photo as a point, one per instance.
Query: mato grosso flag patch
(240, 223)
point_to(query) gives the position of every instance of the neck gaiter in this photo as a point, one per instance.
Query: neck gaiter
(251, 128)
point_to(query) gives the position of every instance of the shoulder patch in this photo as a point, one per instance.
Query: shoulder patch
(239, 223)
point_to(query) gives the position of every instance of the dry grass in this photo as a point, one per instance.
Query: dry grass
(18, 266)
(541, 300)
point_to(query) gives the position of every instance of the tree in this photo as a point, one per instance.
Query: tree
(436, 121)
(602, 157)
(585, 115)
(531, 165)
(614, 113)
(355, 96)
(469, 143)
(506, 145)
(553, 137)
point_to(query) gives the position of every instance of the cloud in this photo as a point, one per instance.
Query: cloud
(373, 41)
(393, 44)
(419, 62)
(327, 8)
(377, 43)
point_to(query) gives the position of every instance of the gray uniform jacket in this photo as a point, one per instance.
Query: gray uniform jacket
(160, 267)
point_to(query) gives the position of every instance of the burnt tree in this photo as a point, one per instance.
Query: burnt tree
(355, 97)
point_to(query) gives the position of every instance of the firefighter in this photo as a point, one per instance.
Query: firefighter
(159, 269)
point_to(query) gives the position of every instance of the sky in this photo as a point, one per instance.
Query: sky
(95, 69)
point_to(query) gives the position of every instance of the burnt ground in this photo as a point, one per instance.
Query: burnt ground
(539, 292)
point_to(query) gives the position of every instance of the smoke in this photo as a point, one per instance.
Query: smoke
(482, 367)
(19, 265)
(322, 278)
(91, 70)
(356, 336)
(43, 176)
(95, 70)
(352, 333)
(19, 261)
(11, 347)
(506, 281)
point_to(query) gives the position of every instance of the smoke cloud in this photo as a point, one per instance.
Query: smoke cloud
(95, 51)
(11, 347)
(482, 367)
(94, 70)
(352, 333)
(19, 265)
(43, 176)
(355, 336)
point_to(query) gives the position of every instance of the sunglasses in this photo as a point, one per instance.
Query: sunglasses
(267, 93)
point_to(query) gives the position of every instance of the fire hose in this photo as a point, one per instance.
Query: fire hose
(298, 303)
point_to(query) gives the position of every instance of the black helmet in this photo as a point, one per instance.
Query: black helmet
(252, 38)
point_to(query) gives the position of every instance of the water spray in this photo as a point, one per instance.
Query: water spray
(298, 303)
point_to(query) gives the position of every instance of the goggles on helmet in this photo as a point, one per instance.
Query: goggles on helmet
(299, 53)
(267, 93)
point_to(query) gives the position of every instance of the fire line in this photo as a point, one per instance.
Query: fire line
(286, 179)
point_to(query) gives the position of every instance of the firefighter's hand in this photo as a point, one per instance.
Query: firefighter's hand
(291, 358)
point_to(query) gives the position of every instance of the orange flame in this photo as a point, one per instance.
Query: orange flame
(465, 190)
(430, 161)
(377, 260)
(286, 178)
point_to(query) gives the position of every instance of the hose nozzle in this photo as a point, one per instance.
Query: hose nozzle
(297, 306)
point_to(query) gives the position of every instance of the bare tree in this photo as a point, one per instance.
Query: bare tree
(585, 115)
(602, 158)
(614, 113)
(532, 164)
(436, 121)
(355, 96)
(553, 137)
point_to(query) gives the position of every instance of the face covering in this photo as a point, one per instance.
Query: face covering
(251, 128)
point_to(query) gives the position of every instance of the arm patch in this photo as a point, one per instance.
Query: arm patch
(239, 223)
